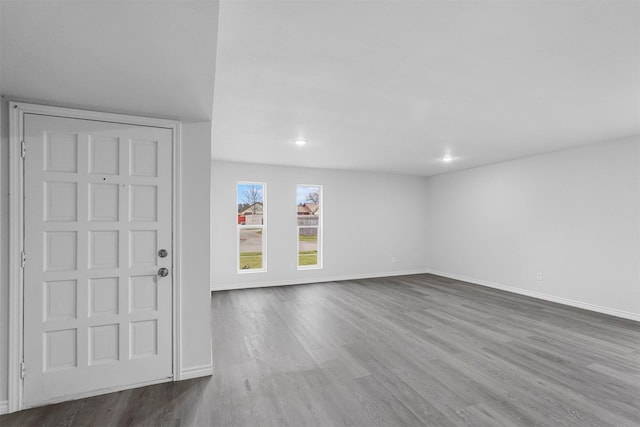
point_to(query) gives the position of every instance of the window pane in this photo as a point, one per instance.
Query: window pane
(250, 204)
(308, 200)
(308, 205)
(307, 246)
(251, 225)
(250, 248)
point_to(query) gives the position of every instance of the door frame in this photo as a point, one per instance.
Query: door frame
(17, 111)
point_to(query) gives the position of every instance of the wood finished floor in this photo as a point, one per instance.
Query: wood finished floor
(405, 351)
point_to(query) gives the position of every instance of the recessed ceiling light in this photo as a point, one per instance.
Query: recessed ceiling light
(300, 142)
(447, 158)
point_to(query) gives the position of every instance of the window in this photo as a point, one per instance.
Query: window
(308, 204)
(251, 227)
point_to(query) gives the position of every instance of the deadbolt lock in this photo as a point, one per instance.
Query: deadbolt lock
(162, 253)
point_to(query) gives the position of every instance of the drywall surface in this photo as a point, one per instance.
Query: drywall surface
(4, 249)
(155, 58)
(195, 258)
(368, 218)
(4, 238)
(573, 216)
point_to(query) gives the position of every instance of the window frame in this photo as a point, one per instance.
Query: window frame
(262, 226)
(319, 227)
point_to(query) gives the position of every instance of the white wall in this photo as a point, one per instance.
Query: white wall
(4, 237)
(573, 215)
(196, 244)
(368, 218)
(4, 250)
(156, 58)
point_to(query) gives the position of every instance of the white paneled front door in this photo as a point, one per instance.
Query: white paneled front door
(97, 223)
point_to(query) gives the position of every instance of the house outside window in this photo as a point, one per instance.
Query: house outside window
(309, 226)
(251, 225)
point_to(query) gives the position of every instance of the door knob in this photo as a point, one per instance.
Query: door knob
(162, 253)
(163, 272)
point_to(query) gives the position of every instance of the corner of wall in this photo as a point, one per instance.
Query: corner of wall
(560, 226)
(4, 249)
(195, 268)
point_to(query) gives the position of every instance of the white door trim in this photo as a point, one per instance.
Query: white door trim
(16, 231)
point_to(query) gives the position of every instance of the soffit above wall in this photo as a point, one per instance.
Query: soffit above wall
(145, 57)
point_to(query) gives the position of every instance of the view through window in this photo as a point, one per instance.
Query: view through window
(251, 227)
(308, 204)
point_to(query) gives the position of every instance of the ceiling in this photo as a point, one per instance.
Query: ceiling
(394, 85)
(385, 86)
(152, 58)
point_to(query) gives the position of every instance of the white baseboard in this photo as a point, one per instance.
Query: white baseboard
(4, 407)
(196, 372)
(232, 286)
(539, 295)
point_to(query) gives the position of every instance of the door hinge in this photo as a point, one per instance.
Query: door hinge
(23, 369)
(23, 259)
(23, 149)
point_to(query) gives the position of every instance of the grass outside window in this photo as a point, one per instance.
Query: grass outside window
(250, 260)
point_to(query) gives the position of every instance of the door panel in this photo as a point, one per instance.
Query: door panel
(97, 211)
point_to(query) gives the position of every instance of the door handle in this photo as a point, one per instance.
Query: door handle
(163, 272)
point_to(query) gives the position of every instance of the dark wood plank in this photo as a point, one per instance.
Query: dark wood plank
(403, 351)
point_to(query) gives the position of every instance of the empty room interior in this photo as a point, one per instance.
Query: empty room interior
(319, 213)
